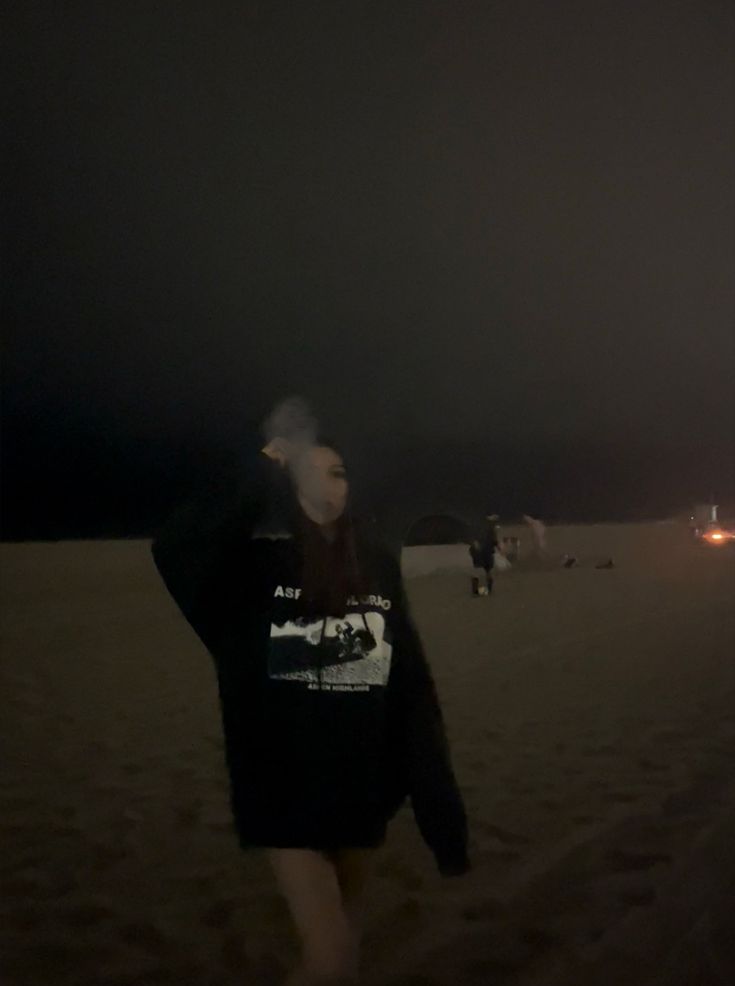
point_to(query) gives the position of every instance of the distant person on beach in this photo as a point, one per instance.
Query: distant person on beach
(538, 535)
(329, 709)
(483, 553)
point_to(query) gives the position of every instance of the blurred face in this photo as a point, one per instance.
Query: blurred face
(321, 483)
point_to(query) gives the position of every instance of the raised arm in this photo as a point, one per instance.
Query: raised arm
(196, 548)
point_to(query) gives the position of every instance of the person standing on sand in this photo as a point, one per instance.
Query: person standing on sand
(323, 741)
(483, 551)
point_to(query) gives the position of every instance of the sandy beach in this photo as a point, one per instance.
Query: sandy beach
(591, 714)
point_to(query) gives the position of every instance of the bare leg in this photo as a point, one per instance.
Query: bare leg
(353, 867)
(308, 879)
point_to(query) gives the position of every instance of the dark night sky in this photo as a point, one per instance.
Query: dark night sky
(500, 223)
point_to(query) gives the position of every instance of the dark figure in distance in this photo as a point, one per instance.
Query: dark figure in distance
(483, 552)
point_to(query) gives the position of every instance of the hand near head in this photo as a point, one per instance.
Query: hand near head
(292, 419)
(280, 450)
(289, 429)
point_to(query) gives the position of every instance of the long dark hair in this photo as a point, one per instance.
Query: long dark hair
(331, 571)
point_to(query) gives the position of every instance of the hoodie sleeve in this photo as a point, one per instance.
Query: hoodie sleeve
(435, 797)
(196, 548)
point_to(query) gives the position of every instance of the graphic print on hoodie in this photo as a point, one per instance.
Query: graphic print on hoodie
(351, 653)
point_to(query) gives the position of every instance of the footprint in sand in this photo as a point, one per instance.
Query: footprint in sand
(511, 952)
(626, 861)
(397, 871)
(18, 803)
(682, 803)
(145, 936)
(672, 734)
(99, 746)
(38, 886)
(183, 774)
(13, 831)
(641, 897)
(133, 769)
(85, 915)
(620, 798)
(494, 969)
(501, 855)
(539, 939)
(31, 861)
(61, 884)
(25, 918)
(575, 927)
(586, 819)
(414, 979)
(152, 976)
(68, 813)
(103, 855)
(551, 804)
(484, 910)
(650, 765)
(599, 751)
(502, 835)
(110, 788)
(54, 959)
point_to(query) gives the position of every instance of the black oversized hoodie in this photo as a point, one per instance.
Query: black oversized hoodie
(329, 723)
